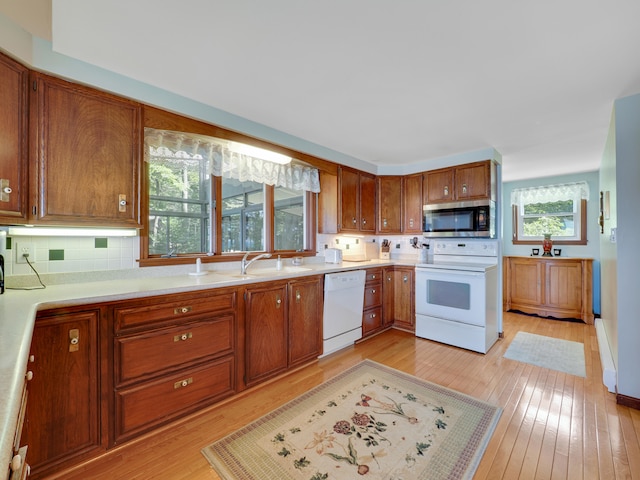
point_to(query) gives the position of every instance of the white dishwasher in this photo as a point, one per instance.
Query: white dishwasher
(342, 315)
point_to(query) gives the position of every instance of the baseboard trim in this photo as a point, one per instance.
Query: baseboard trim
(630, 402)
(609, 374)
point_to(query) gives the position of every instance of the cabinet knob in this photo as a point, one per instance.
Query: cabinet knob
(354, 220)
(446, 190)
(373, 315)
(405, 279)
(122, 203)
(411, 222)
(373, 290)
(32, 358)
(373, 277)
(182, 337)
(278, 302)
(74, 340)
(16, 462)
(29, 376)
(298, 295)
(7, 190)
(464, 188)
(364, 221)
(183, 383)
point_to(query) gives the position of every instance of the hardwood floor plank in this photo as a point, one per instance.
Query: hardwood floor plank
(553, 425)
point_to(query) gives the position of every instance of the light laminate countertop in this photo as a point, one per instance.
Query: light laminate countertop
(18, 309)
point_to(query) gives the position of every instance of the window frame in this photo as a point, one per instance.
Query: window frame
(269, 209)
(516, 234)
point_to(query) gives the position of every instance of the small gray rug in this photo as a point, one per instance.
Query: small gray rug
(561, 355)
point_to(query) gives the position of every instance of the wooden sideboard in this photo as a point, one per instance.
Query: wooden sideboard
(559, 287)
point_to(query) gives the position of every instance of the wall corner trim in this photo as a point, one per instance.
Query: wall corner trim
(609, 374)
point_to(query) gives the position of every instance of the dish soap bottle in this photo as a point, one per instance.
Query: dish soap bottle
(279, 263)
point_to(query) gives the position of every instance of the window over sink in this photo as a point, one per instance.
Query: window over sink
(217, 197)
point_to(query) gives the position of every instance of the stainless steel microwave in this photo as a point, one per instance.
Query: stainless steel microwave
(460, 219)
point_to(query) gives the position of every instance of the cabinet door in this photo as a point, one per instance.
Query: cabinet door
(349, 200)
(404, 311)
(438, 186)
(563, 285)
(63, 411)
(367, 203)
(473, 181)
(328, 203)
(86, 152)
(305, 320)
(398, 291)
(412, 204)
(14, 132)
(266, 332)
(526, 277)
(389, 204)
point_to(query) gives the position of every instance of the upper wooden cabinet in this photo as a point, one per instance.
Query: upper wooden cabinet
(390, 204)
(14, 131)
(412, 203)
(86, 150)
(471, 181)
(357, 201)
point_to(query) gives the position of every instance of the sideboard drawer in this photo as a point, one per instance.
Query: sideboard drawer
(160, 350)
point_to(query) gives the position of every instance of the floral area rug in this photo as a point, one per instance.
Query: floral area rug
(370, 421)
(548, 352)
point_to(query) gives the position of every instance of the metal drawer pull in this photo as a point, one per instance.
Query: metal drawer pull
(183, 383)
(182, 336)
(298, 296)
(179, 310)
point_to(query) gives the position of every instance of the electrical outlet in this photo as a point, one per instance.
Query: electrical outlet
(25, 248)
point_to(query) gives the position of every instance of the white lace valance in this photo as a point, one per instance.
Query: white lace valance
(550, 193)
(224, 161)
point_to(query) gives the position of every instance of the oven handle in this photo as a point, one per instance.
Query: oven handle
(434, 272)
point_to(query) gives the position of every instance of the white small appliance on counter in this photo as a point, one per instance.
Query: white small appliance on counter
(333, 255)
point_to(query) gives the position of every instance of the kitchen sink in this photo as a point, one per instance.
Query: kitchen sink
(274, 271)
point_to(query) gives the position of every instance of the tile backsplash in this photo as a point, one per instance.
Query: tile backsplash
(71, 254)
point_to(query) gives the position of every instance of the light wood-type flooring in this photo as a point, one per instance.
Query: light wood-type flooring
(553, 426)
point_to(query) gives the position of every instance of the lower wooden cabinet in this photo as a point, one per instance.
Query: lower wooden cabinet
(372, 309)
(398, 305)
(171, 356)
(63, 415)
(559, 287)
(282, 326)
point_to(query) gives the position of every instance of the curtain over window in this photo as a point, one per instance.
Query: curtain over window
(550, 193)
(224, 160)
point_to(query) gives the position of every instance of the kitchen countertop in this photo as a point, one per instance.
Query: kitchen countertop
(18, 309)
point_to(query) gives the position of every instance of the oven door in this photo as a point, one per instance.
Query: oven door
(456, 295)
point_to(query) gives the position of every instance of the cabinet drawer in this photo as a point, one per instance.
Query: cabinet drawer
(160, 401)
(373, 275)
(176, 311)
(372, 295)
(371, 320)
(159, 350)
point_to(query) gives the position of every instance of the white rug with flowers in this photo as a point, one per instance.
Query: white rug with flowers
(370, 421)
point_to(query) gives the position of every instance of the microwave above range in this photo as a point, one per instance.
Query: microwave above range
(460, 219)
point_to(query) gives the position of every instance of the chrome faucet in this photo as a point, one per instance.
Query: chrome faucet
(244, 264)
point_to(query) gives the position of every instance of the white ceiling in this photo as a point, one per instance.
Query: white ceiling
(385, 81)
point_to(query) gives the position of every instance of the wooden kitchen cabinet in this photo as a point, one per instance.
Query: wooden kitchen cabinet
(63, 419)
(389, 204)
(283, 326)
(398, 306)
(305, 319)
(412, 204)
(14, 131)
(328, 203)
(470, 181)
(558, 287)
(372, 308)
(86, 148)
(172, 356)
(356, 201)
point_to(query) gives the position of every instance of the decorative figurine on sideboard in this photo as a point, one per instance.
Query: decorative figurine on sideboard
(547, 245)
